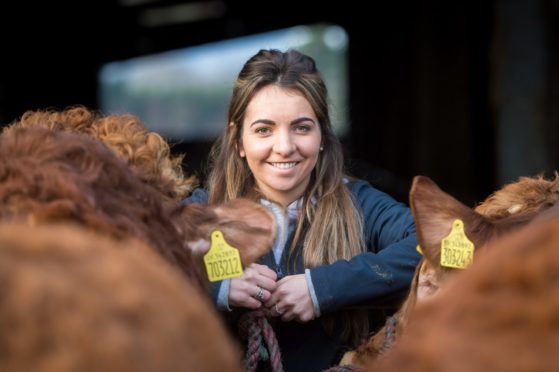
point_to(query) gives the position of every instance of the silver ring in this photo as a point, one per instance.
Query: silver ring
(260, 295)
(277, 309)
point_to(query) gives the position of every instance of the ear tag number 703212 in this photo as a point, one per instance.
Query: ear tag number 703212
(222, 260)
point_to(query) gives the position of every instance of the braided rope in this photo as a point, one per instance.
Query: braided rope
(261, 339)
(390, 334)
(254, 341)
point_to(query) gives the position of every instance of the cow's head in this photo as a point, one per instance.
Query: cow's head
(435, 213)
(499, 315)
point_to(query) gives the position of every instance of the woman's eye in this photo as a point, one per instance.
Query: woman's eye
(303, 128)
(262, 130)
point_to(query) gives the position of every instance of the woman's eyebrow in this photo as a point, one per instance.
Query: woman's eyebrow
(262, 121)
(271, 122)
(302, 119)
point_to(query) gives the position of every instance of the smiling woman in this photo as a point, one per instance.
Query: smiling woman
(279, 148)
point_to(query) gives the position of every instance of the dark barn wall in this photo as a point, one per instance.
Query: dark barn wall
(420, 75)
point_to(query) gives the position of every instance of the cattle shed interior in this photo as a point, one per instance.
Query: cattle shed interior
(463, 91)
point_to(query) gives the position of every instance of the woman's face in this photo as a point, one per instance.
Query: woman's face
(280, 140)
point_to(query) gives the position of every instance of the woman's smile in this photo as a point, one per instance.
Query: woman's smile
(284, 165)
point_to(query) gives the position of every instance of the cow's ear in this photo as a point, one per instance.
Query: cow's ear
(434, 212)
(245, 225)
(248, 226)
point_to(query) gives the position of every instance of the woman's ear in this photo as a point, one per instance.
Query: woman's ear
(239, 144)
(240, 149)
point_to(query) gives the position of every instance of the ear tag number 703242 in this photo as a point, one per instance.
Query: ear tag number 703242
(457, 251)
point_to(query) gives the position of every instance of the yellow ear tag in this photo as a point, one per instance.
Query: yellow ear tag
(457, 250)
(222, 261)
(418, 248)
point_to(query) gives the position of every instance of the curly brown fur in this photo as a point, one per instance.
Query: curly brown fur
(70, 301)
(528, 194)
(50, 176)
(146, 152)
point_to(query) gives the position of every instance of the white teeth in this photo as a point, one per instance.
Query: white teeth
(284, 165)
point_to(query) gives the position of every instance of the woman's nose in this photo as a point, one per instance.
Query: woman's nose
(284, 144)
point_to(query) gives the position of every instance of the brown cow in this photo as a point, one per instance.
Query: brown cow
(434, 212)
(70, 301)
(52, 176)
(502, 314)
(146, 152)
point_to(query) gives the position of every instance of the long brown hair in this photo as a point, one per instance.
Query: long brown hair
(335, 226)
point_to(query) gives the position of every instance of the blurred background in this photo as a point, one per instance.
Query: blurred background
(462, 91)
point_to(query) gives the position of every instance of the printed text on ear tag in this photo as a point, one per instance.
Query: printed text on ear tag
(222, 261)
(457, 250)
